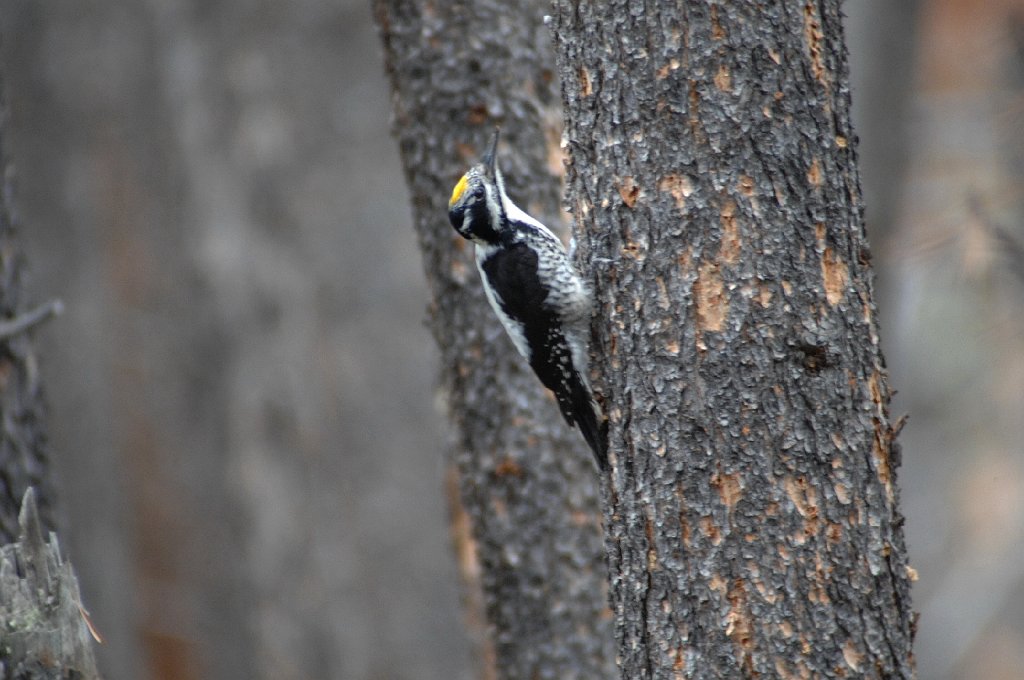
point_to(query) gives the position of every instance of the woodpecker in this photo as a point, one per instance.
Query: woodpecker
(533, 288)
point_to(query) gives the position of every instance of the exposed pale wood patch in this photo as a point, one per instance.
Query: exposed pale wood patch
(717, 32)
(672, 65)
(710, 529)
(663, 299)
(746, 185)
(739, 625)
(730, 246)
(852, 656)
(805, 500)
(723, 78)
(834, 533)
(728, 487)
(712, 302)
(508, 468)
(880, 454)
(556, 155)
(628, 190)
(693, 113)
(632, 251)
(875, 387)
(767, 591)
(814, 176)
(461, 529)
(586, 87)
(677, 186)
(684, 529)
(836, 275)
(814, 38)
(678, 662)
(684, 259)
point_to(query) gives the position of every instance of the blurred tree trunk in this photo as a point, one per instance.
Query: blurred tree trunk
(524, 488)
(43, 633)
(240, 374)
(753, 520)
(23, 448)
(958, 318)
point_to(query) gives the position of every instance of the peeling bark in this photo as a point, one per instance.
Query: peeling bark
(753, 521)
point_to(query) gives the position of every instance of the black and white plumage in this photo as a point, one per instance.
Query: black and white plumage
(534, 290)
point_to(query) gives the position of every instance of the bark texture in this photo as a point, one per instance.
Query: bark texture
(524, 487)
(753, 520)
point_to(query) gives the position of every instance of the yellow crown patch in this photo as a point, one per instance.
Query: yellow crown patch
(457, 192)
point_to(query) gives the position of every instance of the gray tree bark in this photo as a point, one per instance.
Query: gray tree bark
(524, 487)
(753, 518)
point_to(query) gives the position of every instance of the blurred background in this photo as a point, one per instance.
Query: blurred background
(243, 416)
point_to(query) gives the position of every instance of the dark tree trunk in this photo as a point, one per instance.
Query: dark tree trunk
(524, 486)
(43, 630)
(753, 520)
(23, 449)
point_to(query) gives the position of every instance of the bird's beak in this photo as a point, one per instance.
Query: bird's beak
(490, 159)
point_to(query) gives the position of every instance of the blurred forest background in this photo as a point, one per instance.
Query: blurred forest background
(245, 430)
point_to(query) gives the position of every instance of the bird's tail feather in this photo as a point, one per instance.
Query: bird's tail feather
(592, 423)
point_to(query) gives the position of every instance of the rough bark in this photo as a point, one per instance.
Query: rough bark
(524, 488)
(752, 522)
(45, 634)
(23, 448)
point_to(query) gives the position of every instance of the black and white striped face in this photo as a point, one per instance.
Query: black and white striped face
(474, 208)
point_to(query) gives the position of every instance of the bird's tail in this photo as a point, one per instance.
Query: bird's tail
(592, 423)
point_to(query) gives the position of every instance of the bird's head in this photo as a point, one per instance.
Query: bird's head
(476, 208)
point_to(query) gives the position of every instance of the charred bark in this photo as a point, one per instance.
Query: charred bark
(24, 455)
(753, 521)
(44, 631)
(524, 489)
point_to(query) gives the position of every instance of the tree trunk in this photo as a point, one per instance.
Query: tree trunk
(24, 460)
(524, 487)
(753, 521)
(43, 629)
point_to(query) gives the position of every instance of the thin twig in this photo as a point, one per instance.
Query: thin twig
(33, 317)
